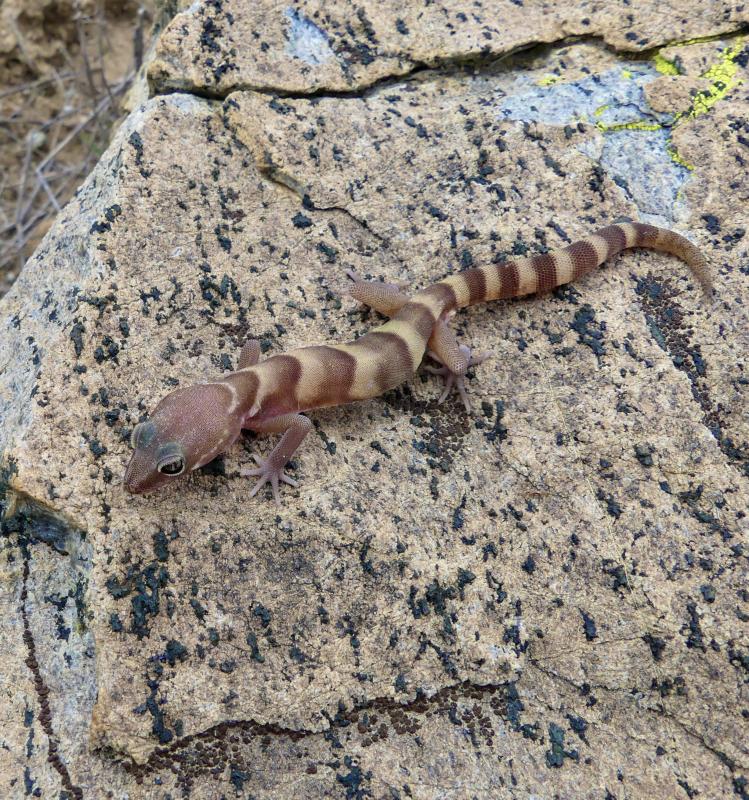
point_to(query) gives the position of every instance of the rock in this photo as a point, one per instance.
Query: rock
(317, 46)
(510, 598)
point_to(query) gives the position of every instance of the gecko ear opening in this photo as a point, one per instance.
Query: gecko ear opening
(142, 434)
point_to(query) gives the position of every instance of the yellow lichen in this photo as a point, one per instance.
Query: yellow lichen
(723, 79)
(663, 65)
(548, 80)
(676, 158)
(639, 125)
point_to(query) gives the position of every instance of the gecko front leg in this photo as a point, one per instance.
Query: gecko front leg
(454, 358)
(270, 470)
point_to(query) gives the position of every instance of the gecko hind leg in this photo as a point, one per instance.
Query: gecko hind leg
(443, 347)
(385, 298)
(454, 359)
(249, 355)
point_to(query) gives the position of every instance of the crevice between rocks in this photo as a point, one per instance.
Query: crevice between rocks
(34, 523)
(446, 65)
(42, 692)
(274, 175)
(661, 710)
(419, 705)
(441, 66)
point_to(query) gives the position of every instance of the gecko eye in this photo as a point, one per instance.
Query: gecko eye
(171, 459)
(174, 466)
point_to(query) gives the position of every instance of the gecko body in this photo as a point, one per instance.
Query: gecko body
(193, 425)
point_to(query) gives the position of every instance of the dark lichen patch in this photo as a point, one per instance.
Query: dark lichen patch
(669, 325)
(152, 705)
(556, 754)
(613, 507)
(175, 651)
(302, 221)
(136, 143)
(161, 546)
(198, 609)
(498, 432)
(33, 524)
(656, 644)
(145, 602)
(578, 725)
(76, 336)
(589, 626)
(355, 780)
(440, 431)
(436, 599)
(589, 331)
(142, 584)
(217, 293)
(110, 215)
(617, 574)
(252, 643)
(693, 629)
(60, 602)
(694, 502)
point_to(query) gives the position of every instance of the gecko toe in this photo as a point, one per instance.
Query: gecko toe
(267, 474)
(455, 379)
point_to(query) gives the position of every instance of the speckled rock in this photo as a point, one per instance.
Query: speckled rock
(546, 596)
(309, 46)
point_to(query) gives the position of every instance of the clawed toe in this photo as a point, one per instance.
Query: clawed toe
(479, 359)
(267, 474)
(455, 379)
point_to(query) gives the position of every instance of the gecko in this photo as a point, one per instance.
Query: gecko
(193, 425)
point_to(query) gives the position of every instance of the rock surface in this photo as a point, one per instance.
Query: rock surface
(545, 597)
(320, 46)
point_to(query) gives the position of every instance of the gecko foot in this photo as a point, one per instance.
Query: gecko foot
(268, 473)
(456, 379)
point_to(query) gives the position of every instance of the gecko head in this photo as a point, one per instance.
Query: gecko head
(188, 428)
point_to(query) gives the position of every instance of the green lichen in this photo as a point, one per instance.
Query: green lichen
(676, 157)
(723, 79)
(638, 125)
(664, 66)
(548, 80)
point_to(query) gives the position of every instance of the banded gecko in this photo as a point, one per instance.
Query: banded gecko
(193, 425)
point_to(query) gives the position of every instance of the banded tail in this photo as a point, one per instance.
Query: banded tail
(545, 272)
(398, 346)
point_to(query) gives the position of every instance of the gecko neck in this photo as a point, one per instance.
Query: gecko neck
(244, 384)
